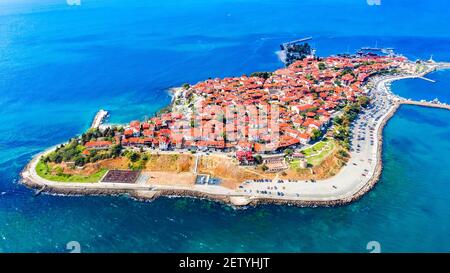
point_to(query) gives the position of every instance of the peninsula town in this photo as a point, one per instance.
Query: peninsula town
(243, 137)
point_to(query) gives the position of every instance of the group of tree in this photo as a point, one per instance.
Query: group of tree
(138, 160)
(322, 66)
(264, 75)
(95, 133)
(316, 134)
(288, 152)
(302, 50)
(347, 70)
(65, 152)
(73, 152)
(296, 52)
(342, 123)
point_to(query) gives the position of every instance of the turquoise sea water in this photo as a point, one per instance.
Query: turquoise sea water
(59, 64)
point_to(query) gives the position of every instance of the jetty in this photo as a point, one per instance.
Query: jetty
(442, 65)
(426, 104)
(302, 40)
(370, 50)
(426, 79)
(99, 118)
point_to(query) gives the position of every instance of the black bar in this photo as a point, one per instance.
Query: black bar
(192, 262)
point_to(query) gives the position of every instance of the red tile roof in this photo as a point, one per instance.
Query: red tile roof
(93, 144)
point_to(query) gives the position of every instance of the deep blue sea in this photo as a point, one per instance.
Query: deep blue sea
(59, 64)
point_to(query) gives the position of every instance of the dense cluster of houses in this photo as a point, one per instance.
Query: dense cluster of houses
(257, 115)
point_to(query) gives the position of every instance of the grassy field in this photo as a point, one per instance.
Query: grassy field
(315, 154)
(315, 148)
(315, 158)
(43, 170)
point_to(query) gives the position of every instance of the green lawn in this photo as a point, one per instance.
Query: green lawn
(315, 148)
(42, 169)
(316, 153)
(320, 155)
(294, 164)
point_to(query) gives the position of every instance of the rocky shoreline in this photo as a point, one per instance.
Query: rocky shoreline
(146, 193)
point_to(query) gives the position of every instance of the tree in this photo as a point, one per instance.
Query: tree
(258, 159)
(109, 132)
(186, 86)
(338, 120)
(341, 133)
(322, 66)
(343, 153)
(309, 77)
(363, 101)
(296, 52)
(264, 167)
(264, 75)
(347, 70)
(115, 150)
(133, 156)
(316, 134)
(80, 161)
(288, 152)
